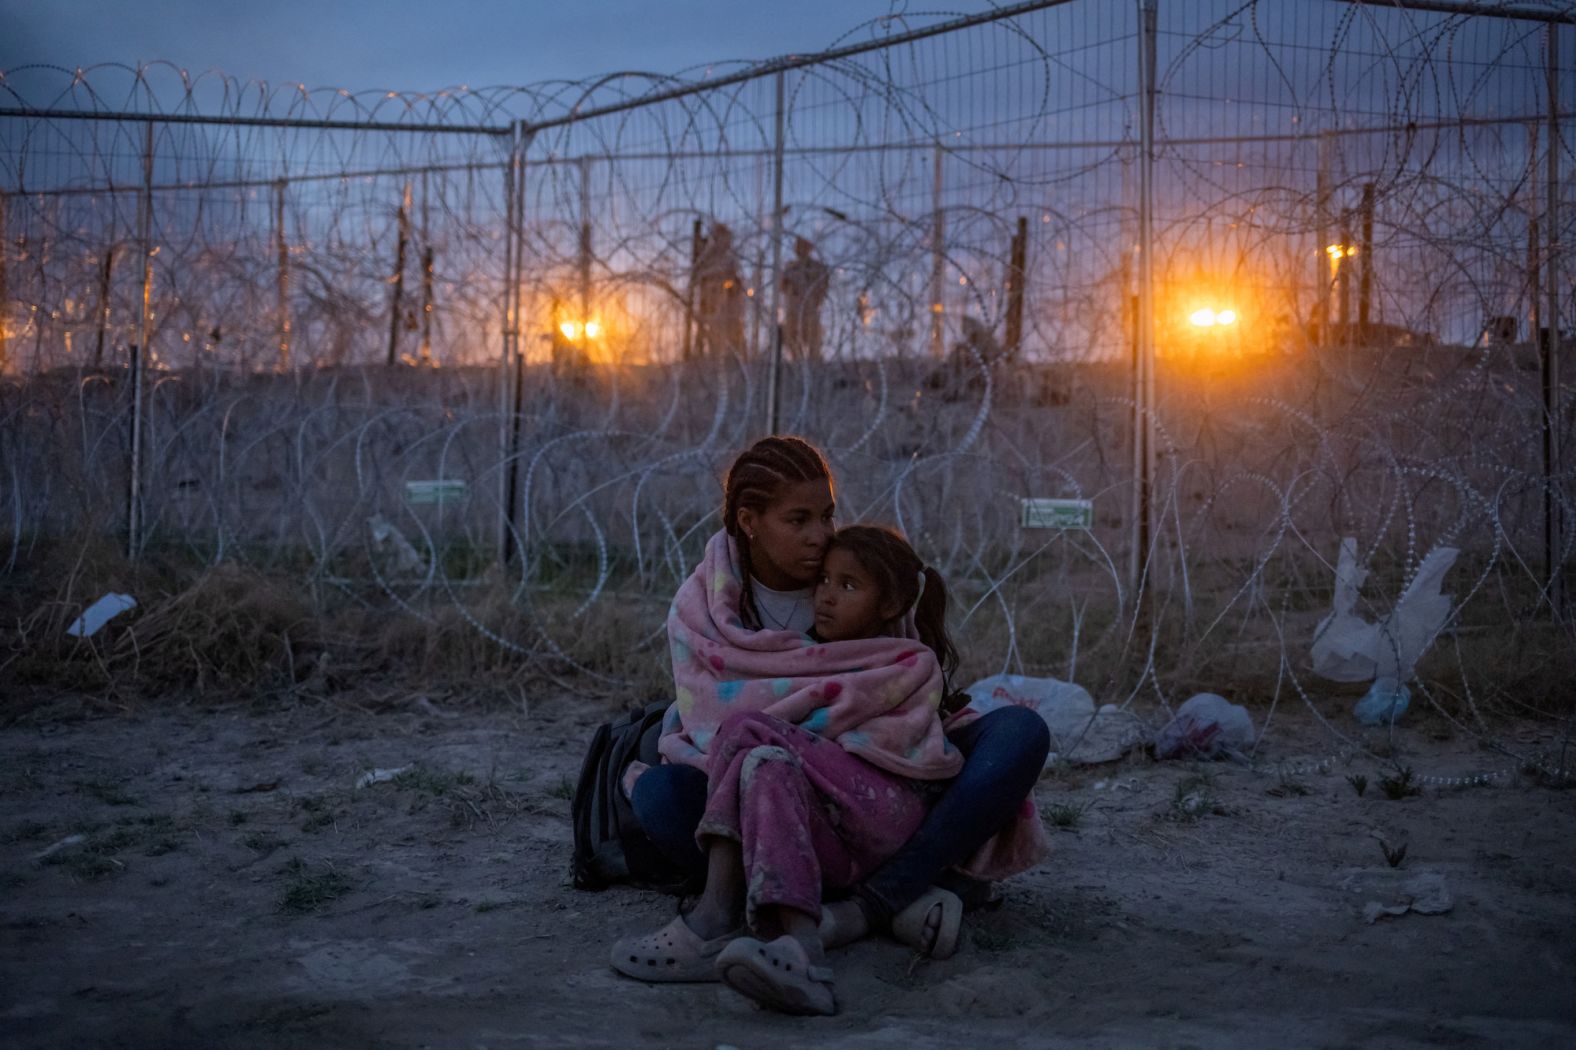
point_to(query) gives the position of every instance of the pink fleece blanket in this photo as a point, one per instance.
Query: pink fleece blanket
(876, 697)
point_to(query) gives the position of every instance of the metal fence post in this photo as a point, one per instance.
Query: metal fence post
(1321, 249)
(5, 290)
(513, 175)
(774, 381)
(282, 250)
(584, 259)
(1553, 526)
(139, 352)
(938, 231)
(1144, 370)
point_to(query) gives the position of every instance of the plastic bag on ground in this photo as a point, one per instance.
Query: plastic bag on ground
(100, 613)
(1206, 726)
(1384, 703)
(1080, 733)
(1348, 648)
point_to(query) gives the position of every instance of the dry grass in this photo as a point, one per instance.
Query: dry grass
(199, 630)
(286, 634)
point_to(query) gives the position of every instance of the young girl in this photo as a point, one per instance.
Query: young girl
(815, 761)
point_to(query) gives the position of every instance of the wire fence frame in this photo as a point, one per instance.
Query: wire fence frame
(517, 170)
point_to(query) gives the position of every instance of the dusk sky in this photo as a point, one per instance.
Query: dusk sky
(422, 46)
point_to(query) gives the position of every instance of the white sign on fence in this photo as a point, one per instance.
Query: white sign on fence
(1057, 514)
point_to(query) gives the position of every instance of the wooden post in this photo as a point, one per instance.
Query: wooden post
(1016, 269)
(399, 276)
(426, 279)
(1321, 222)
(692, 343)
(106, 270)
(585, 246)
(1365, 286)
(426, 305)
(1343, 280)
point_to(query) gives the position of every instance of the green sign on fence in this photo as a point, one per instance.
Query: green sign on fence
(1057, 514)
(447, 490)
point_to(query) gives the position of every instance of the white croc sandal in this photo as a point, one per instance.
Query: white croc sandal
(778, 974)
(673, 954)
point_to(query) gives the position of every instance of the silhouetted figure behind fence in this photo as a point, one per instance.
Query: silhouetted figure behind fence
(805, 283)
(718, 294)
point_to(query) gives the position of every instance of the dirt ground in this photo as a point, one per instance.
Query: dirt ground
(183, 878)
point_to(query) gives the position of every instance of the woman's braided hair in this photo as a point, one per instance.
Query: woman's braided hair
(756, 478)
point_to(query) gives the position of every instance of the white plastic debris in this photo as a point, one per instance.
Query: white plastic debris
(1348, 648)
(65, 843)
(1206, 726)
(1080, 733)
(379, 776)
(1384, 703)
(386, 536)
(1424, 893)
(100, 613)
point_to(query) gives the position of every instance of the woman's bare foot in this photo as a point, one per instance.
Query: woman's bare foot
(709, 921)
(806, 931)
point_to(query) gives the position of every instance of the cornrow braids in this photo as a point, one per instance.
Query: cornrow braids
(754, 480)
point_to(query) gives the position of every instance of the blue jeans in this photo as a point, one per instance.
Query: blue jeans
(1004, 752)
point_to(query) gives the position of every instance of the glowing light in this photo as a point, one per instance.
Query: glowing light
(1204, 317)
(573, 330)
(1341, 251)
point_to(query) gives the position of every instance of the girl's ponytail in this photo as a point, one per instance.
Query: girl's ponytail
(930, 620)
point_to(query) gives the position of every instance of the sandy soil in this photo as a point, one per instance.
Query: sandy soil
(233, 887)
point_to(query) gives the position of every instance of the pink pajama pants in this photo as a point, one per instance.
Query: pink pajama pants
(808, 814)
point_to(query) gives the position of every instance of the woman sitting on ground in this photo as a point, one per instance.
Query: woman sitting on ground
(777, 520)
(817, 762)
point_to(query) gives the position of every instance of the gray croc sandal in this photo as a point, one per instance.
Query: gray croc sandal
(778, 974)
(673, 954)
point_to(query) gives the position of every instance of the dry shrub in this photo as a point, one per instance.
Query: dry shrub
(439, 644)
(230, 626)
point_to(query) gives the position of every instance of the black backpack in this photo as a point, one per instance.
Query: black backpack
(610, 846)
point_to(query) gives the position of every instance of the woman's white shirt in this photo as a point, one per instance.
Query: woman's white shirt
(784, 610)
